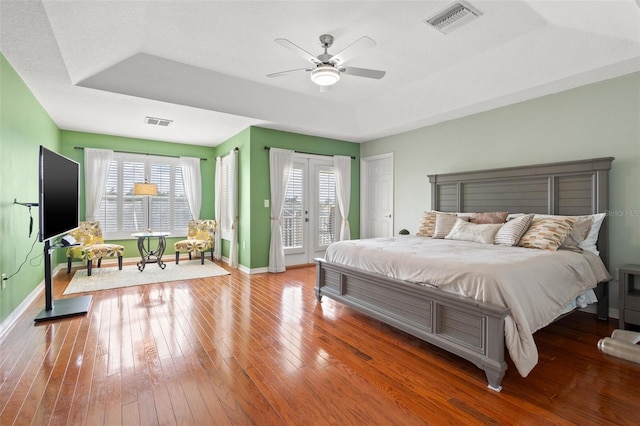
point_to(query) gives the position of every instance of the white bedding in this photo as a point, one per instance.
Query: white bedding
(536, 285)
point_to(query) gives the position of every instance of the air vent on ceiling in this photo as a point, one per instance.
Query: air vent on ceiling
(157, 121)
(453, 17)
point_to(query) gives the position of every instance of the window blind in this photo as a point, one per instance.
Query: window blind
(292, 211)
(121, 213)
(328, 203)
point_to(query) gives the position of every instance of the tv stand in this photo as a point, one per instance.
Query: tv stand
(62, 308)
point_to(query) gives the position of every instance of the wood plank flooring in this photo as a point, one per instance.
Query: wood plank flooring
(258, 349)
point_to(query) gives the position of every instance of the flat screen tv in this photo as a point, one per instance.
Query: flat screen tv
(59, 190)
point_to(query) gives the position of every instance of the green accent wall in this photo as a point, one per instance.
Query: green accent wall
(71, 139)
(259, 184)
(24, 126)
(597, 120)
(254, 232)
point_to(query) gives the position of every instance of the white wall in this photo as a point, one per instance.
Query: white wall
(598, 120)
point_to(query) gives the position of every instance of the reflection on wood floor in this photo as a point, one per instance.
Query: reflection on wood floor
(258, 349)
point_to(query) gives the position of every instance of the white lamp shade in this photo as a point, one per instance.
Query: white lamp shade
(325, 75)
(145, 189)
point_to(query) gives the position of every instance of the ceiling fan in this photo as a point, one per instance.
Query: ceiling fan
(327, 68)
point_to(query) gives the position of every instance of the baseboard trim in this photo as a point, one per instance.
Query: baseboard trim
(6, 325)
(250, 271)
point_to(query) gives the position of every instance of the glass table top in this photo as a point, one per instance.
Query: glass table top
(150, 234)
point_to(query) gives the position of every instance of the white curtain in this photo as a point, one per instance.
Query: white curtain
(280, 166)
(192, 184)
(233, 208)
(343, 192)
(96, 169)
(217, 249)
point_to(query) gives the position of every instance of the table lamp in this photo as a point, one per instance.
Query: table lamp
(149, 190)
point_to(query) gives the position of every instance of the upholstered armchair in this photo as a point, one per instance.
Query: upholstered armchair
(92, 246)
(200, 238)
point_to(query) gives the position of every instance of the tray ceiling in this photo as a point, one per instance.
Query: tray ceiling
(104, 66)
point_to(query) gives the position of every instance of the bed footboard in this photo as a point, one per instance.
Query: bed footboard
(457, 324)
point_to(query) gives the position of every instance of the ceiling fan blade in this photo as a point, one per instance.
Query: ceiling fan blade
(297, 50)
(281, 73)
(354, 49)
(363, 72)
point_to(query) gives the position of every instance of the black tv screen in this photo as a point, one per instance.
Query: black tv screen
(59, 189)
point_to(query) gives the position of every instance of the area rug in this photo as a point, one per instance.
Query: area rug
(108, 278)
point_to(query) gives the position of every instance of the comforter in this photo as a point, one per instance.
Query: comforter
(535, 285)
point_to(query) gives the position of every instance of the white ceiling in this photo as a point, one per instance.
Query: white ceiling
(102, 66)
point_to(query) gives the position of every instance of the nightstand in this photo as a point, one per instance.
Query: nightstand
(629, 282)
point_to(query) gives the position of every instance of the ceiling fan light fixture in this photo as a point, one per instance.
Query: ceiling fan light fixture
(325, 75)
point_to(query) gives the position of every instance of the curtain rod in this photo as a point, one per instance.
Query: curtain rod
(141, 153)
(310, 153)
(234, 149)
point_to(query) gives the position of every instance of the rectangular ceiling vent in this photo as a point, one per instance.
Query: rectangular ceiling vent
(453, 17)
(157, 121)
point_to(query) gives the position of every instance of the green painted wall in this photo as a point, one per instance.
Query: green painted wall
(24, 126)
(259, 182)
(70, 139)
(254, 230)
(598, 120)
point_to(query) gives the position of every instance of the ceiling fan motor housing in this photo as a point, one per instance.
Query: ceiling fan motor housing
(326, 40)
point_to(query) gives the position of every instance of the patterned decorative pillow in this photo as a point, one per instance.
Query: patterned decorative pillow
(548, 233)
(489, 217)
(444, 224)
(513, 230)
(427, 224)
(476, 232)
(579, 232)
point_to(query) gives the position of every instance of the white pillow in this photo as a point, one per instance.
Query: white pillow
(476, 232)
(589, 243)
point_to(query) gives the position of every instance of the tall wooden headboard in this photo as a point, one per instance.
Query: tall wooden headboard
(568, 188)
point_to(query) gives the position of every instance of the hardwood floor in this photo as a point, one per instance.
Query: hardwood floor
(258, 349)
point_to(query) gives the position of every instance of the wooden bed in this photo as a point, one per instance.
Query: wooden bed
(470, 329)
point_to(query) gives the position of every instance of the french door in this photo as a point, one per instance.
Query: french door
(311, 217)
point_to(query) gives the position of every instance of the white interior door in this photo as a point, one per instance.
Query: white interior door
(376, 187)
(311, 217)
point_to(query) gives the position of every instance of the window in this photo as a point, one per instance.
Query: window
(121, 213)
(327, 207)
(292, 211)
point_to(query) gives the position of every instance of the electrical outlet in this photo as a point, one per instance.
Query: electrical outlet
(4, 281)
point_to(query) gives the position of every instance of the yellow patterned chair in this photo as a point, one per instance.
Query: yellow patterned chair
(92, 246)
(200, 238)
